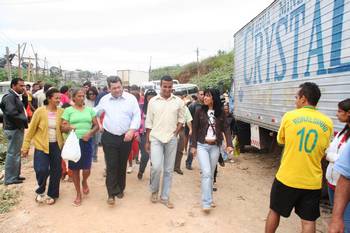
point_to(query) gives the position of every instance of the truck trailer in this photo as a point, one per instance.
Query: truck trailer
(133, 77)
(287, 44)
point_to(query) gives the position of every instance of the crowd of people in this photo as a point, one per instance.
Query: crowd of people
(161, 126)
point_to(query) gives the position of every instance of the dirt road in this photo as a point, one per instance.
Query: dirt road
(242, 204)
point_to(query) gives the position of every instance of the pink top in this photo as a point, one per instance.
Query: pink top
(64, 99)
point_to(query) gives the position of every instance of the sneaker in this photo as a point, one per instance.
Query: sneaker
(167, 203)
(129, 170)
(178, 171)
(40, 198)
(154, 197)
(120, 195)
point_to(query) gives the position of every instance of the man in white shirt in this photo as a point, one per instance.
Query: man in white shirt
(122, 118)
(165, 119)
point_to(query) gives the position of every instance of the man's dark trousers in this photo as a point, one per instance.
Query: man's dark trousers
(116, 156)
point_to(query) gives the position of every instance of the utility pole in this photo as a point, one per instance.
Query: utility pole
(150, 68)
(197, 51)
(44, 70)
(8, 63)
(36, 67)
(19, 61)
(29, 69)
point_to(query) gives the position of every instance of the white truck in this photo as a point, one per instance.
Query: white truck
(289, 43)
(133, 77)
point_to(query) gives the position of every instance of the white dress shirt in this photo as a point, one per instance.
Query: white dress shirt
(121, 113)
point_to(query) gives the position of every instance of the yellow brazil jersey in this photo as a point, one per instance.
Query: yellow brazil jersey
(306, 134)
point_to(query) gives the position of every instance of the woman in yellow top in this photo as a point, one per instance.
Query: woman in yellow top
(45, 131)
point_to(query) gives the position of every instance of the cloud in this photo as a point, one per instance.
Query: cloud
(105, 34)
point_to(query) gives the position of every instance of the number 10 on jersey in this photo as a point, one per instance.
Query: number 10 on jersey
(305, 143)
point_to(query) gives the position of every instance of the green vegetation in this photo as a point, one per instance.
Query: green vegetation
(53, 79)
(8, 198)
(214, 71)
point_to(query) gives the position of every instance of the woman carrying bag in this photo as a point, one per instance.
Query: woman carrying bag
(45, 131)
(209, 124)
(83, 120)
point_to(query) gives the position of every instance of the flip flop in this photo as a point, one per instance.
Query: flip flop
(76, 203)
(50, 201)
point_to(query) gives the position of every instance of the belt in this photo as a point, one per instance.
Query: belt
(210, 142)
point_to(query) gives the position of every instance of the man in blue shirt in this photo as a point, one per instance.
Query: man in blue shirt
(342, 192)
(122, 118)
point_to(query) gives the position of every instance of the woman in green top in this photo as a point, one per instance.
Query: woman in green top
(83, 120)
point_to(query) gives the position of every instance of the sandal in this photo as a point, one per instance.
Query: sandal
(40, 198)
(50, 201)
(167, 203)
(77, 202)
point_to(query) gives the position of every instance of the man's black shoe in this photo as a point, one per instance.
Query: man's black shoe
(21, 178)
(120, 195)
(178, 171)
(139, 175)
(14, 182)
(189, 167)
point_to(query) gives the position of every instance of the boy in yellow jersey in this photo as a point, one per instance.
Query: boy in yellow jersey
(305, 134)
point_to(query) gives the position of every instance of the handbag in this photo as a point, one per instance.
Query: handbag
(71, 148)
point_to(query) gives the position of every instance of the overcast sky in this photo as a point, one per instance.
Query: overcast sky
(108, 35)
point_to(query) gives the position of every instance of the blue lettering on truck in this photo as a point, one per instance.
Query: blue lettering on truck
(268, 33)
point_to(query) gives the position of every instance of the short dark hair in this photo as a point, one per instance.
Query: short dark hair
(64, 89)
(46, 87)
(134, 88)
(87, 83)
(167, 78)
(15, 81)
(113, 79)
(311, 92)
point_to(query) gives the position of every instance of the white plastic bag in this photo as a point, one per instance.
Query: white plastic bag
(71, 148)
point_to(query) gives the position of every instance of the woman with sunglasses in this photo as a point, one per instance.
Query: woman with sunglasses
(90, 100)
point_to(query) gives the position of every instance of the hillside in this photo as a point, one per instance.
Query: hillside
(214, 71)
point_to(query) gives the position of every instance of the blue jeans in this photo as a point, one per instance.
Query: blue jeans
(46, 165)
(208, 156)
(94, 146)
(144, 154)
(13, 157)
(162, 155)
(346, 216)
